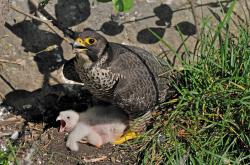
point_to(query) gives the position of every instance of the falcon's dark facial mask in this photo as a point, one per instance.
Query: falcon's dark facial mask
(89, 45)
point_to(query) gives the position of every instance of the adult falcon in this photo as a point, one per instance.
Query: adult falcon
(123, 75)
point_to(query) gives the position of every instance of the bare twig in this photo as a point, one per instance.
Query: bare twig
(49, 16)
(10, 62)
(95, 159)
(83, 141)
(11, 120)
(5, 134)
(46, 145)
(48, 23)
(2, 96)
(195, 17)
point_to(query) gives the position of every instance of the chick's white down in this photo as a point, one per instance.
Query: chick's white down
(98, 125)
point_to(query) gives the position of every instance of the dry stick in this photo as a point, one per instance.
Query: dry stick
(95, 159)
(195, 17)
(34, 3)
(2, 96)
(10, 62)
(43, 12)
(48, 23)
(11, 121)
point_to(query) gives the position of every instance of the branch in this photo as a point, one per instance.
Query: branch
(11, 62)
(2, 97)
(48, 23)
(195, 17)
(95, 159)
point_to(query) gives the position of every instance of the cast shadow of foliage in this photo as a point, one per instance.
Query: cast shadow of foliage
(165, 14)
(33, 39)
(45, 103)
(37, 41)
(186, 28)
(44, 106)
(70, 13)
(111, 28)
(145, 36)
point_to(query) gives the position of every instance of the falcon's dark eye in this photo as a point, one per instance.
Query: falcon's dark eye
(90, 41)
(68, 117)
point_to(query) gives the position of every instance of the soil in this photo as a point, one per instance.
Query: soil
(38, 141)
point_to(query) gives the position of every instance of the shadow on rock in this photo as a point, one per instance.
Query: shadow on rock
(69, 71)
(186, 28)
(38, 106)
(33, 39)
(150, 35)
(70, 13)
(165, 14)
(46, 45)
(111, 28)
(219, 4)
(49, 61)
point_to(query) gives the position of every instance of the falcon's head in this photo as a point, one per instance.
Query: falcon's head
(90, 45)
(68, 120)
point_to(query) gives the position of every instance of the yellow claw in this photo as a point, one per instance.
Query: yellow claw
(127, 136)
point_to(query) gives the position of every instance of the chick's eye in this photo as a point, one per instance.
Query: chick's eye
(90, 41)
(68, 117)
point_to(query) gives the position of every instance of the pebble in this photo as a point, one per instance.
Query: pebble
(3, 147)
(58, 57)
(15, 135)
(150, 1)
(27, 106)
(4, 112)
(161, 138)
(112, 159)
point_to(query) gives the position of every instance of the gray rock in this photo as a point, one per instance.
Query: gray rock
(25, 42)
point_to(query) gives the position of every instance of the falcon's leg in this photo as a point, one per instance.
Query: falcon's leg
(128, 135)
(136, 127)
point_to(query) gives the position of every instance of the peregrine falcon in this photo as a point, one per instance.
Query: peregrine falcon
(125, 76)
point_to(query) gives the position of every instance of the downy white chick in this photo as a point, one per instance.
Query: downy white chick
(98, 125)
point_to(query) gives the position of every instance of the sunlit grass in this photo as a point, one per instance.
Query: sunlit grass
(8, 155)
(210, 123)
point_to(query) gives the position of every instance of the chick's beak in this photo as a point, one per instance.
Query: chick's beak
(58, 118)
(62, 124)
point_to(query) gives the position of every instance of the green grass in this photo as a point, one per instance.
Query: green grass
(8, 156)
(210, 123)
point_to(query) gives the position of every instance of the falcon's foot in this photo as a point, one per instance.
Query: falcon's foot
(128, 135)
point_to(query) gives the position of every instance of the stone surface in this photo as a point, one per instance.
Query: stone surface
(4, 10)
(25, 42)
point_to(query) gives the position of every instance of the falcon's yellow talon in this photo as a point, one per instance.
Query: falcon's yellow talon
(127, 136)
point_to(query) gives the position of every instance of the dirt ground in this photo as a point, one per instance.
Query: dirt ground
(31, 90)
(56, 153)
(38, 140)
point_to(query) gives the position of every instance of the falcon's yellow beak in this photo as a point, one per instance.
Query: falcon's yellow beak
(79, 44)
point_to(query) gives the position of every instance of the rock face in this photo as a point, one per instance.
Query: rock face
(4, 10)
(28, 62)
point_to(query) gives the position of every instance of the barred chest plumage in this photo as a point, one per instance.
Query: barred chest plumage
(98, 81)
